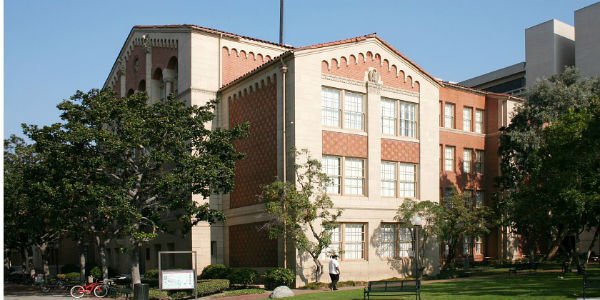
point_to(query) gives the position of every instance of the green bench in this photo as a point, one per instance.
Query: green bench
(393, 288)
(590, 283)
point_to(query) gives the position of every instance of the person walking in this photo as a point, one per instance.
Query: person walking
(334, 272)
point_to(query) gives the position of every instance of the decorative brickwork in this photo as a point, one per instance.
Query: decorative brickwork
(161, 57)
(136, 68)
(237, 63)
(259, 167)
(251, 247)
(393, 150)
(344, 144)
(357, 66)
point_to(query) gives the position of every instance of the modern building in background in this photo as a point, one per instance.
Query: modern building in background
(549, 48)
(383, 128)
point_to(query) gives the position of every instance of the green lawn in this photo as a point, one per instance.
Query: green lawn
(543, 286)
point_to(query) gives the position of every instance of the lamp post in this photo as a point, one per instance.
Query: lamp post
(417, 222)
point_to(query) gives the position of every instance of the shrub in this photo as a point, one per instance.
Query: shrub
(69, 268)
(279, 276)
(217, 271)
(151, 274)
(73, 276)
(96, 272)
(207, 287)
(156, 294)
(243, 276)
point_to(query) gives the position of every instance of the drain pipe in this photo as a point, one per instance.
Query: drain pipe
(284, 70)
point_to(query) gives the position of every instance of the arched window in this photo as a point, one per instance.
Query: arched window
(158, 86)
(171, 74)
(142, 86)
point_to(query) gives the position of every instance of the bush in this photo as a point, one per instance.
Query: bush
(156, 294)
(96, 272)
(72, 276)
(243, 276)
(213, 286)
(279, 276)
(151, 274)
(217, 271)
(69, 268)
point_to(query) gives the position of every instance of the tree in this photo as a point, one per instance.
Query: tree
(457, 219)
(143, 163)
(550, 183)
(301, 210)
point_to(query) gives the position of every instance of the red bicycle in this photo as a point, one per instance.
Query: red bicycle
(99, 289)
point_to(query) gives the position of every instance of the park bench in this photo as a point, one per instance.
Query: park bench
(591, 283)
(531, 267)
(393, 288)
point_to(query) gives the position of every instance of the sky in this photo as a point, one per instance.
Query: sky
(53, 48)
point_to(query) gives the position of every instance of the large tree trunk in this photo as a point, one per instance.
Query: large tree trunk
(556, 245)
(319, 268)
(134, 260)
(101, 243)
(591, 247)
(82, 260)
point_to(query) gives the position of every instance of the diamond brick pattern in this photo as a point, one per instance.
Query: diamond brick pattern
(392, 150)
(251, 246)
(259, 167)
(344, 144)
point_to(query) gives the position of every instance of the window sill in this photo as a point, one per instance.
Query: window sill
(343, 130)
(400, 138)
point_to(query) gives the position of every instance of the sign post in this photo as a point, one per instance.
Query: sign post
(178, 279)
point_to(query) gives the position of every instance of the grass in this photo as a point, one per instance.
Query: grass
(240, 292)
(543, 286)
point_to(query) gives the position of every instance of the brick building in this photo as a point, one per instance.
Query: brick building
(382, 126)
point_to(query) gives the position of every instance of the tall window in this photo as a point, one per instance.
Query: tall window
(396, 241)
(480, 161)
(408, 180)
(449, 115)
(468, 196)
(478, 245)
(350, 239)
(467, 160)
(353, 111)
(354, 176)
(388, 117)
(448, 194)
(330, 107)
(467, 118)
(479, 199)
(399, 118)
(331, 167)
(466, 245)
(388, 179)
(337, 103)
(408, 119)
(449, 158)
(479, 121)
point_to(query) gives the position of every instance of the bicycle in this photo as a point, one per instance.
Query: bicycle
(99, 289)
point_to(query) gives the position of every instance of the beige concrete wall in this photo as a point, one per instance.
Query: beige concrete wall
(587, 44)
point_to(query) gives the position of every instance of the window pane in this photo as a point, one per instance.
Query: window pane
(331, 167)
(478, 199)
(353, 111)
(479, 121)
(388, 117)
(408, 119)
(353, 183)
(467, 113)
(408, 180)
(353, 241)
(334, 247)
(330, 107)
(467, 160)
(405, 242)
(449, 115)
(388, 240)
(480, 161)
(388, 179)
(449, 158)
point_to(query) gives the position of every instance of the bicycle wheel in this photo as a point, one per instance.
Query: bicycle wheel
(45, 288)
(77, 291)
(101, 290)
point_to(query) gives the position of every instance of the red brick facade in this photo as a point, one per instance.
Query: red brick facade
(393, 150)
(344, 144)
(237, 63)
(356, 67)
(259, 167)
(251, 246)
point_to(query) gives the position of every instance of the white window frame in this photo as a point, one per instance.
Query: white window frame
(467, 118)
(478, 245)
(341, 241)
(449, 154)
(389, 116)
(479, 120)
(389, 179)
(449, 113)
(345, 114)
(354, 172)
(405, 180)
(331, 115)
(354, 112)
(408, 118)
(345, 181)
(479, 161)
(329, 164)
(396, 241)
(467, 160)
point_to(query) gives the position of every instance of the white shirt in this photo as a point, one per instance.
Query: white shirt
(334, 266)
